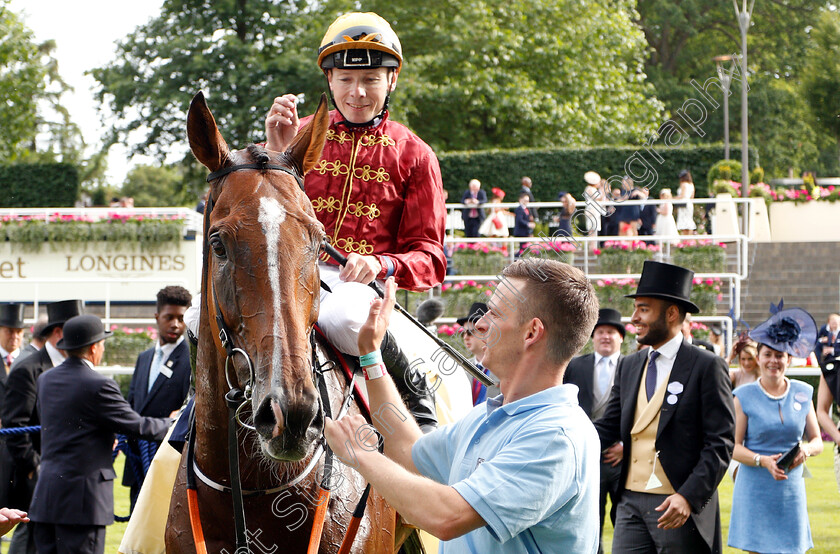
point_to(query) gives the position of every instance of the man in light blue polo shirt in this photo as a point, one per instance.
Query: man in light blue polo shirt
(519, 474)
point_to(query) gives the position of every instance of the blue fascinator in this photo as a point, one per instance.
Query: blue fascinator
(791, 330)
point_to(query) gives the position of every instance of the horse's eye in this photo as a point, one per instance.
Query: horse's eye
(218, 246)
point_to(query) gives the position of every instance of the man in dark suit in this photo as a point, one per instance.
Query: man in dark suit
(672, 406)
(11, 338)
(526, 189)
(593, 374)
(19, 410)
(36, 343)
(74, 497)
(689, 338)
(828, 340)
(161, 379)
(475, 198)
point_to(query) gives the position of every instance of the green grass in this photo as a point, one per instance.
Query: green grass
(823, 505)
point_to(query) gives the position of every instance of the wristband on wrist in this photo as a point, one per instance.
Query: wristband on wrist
(373, 358)
(372, 372)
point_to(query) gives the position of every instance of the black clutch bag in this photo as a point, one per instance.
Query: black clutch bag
(787, 458)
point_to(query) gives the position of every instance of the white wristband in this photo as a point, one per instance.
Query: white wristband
(372, 372)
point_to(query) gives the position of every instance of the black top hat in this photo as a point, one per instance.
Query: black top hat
(11, 315)
(668, 282)
(81, 331)
(59, 312)
(477, 310)
(608, 316)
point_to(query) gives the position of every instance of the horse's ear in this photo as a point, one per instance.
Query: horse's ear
(206, 141)
(306, 148)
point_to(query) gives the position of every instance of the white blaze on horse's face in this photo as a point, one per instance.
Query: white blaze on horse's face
(272, 215)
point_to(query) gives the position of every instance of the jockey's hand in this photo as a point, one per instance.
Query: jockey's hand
(360, 269)
(9, 517)
(281, 123)
(350, 438)
(373, 330)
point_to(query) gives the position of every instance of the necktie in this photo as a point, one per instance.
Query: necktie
(9, 361)
(603, 376)
(650, 380)
(154, 369)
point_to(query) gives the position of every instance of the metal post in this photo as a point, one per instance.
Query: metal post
(744, 24)
(725, 77)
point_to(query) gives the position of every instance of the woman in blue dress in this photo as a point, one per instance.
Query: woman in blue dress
(769, 510)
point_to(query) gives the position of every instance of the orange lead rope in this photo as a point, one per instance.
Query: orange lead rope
(195, 522)
(318, 523)
(353, 528)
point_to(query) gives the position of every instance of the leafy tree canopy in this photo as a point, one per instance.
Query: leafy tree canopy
(156, 186)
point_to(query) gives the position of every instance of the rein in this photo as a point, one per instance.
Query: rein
(237, 399)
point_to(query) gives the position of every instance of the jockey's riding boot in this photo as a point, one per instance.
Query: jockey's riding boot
(411, 384)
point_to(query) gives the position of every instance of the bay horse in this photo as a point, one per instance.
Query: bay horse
(259, 304)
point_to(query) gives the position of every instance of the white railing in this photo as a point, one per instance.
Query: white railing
(192, 219)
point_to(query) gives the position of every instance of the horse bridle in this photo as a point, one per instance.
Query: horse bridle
(237, 399)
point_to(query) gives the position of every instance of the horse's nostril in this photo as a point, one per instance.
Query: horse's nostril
(269, 420)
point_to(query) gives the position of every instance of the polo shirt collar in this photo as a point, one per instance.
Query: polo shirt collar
(561, 394)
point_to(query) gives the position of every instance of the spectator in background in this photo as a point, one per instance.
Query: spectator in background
(11, 337)
(628, 216)
(477, 348)
(473, 197)
(609, 222)
(495, 225)
(161, 379)
(684, 205)
(20, 410)
(526, 189)
(648, 215)
(593, 374)
(74, 498)
(769, 506)
(447, 246)
(689, 338)
(202, 202)
(745, 354)
(665, 224)
(828, 394)
(523, 223)
(564, 220)
(127, 202)
(593, 192)
(37, 341)
(828, 339)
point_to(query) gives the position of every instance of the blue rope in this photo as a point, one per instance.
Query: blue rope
(139, 464)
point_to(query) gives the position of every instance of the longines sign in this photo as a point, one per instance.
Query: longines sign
(97, 271)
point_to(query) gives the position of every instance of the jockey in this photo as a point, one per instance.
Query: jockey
(377, 189)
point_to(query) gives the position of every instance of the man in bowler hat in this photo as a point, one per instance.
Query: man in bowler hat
(593, 375)
(671, 405)
(19, 410)
(74, 497)
(479, 391)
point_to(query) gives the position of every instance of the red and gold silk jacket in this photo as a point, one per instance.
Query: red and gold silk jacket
(378, 192)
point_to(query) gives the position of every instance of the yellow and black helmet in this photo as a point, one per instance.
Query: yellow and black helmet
(360, 41)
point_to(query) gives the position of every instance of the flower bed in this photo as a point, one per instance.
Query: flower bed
(706, 293)
(30, 233)
(611, 294)
(560, 250)
(624, 256)
(126, 343)
(451, 334)
(700, 256)
(472, 258)
(458, 297)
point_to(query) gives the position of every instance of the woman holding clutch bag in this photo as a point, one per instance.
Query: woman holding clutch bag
(769, 510)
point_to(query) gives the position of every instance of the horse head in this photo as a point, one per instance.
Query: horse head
(261, 283)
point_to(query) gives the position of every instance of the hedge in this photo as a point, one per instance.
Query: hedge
(39, 185)
(556, 169)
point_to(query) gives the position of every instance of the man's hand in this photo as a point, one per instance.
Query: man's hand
(677, 510)
(360, 269)
(373, 330)
(10, 517)
(614, 454)
(351, 438)
(281, 123)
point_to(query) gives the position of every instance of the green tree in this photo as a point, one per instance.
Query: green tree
(821, 81)
(156, 186)
(489, 74)
(22, 83)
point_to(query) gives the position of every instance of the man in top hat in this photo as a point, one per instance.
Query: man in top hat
(11, 337)
(477, 347)
(37, 341)
(74, 497)
(671, 405)
(19, 410)
(593, 374)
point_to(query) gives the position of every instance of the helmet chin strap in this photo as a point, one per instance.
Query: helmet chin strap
(371, 123)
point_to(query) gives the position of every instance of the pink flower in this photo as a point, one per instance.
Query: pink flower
(596, 251)
(720, 297)
(600, 282)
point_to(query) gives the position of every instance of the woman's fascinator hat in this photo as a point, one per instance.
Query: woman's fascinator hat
(790, 330)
